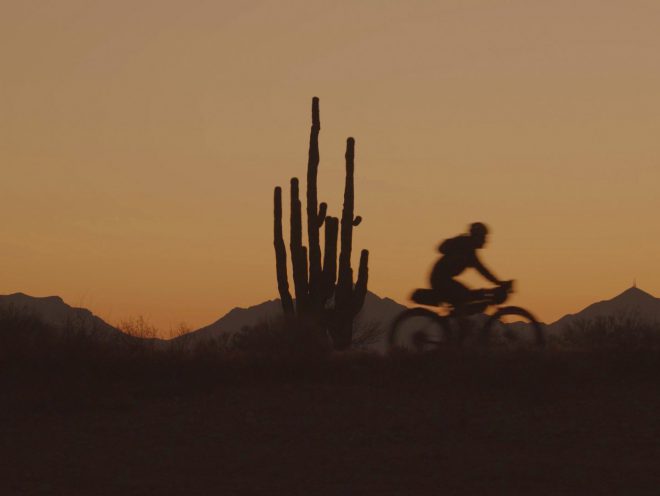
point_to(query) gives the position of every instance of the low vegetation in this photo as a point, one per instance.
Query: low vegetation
(624, 331)
(274, 410)
(28, 343)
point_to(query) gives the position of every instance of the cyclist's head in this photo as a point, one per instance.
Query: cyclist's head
(479, 232)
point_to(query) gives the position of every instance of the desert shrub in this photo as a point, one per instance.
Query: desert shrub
(367, 334)
(30, 346)
(283, 338)
(623, 331)
(139, 335)
(23, 333)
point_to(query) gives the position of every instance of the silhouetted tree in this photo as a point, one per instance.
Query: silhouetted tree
(323, 296)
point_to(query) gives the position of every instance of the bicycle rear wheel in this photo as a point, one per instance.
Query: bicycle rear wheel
(419, 330)
(513, 327)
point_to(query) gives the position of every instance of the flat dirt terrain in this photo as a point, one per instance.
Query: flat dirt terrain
(528, 423)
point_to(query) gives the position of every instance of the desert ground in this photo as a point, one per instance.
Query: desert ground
(452, 423)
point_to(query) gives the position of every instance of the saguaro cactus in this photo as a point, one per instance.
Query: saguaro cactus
(329, 299)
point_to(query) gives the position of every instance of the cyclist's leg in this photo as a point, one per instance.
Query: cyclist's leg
(460, 297)
(482, 298)
(475, 300)
(451, 291)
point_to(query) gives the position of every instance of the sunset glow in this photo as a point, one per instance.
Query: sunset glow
(140, 143)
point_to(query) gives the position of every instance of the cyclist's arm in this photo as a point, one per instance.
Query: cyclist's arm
(485, 272)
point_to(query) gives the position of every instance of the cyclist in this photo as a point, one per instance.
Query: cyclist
(460, 253)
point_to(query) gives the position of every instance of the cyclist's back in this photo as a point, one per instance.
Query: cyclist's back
(460, 253)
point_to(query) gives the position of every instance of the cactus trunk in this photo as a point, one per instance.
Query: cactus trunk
(314, 216)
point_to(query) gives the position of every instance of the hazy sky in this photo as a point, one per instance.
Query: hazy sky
(140, 142)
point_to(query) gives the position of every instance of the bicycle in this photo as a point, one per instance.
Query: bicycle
(420, 329)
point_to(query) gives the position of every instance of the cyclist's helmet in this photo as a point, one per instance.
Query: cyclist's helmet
(478, 229)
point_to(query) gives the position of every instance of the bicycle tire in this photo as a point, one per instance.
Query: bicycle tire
(536, 327)
(430, 333)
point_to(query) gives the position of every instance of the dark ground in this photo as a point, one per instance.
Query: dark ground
(529, 423)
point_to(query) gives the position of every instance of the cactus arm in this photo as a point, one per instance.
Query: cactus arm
(361, 284)
(323, 210)
(330, 256)
(341, 325)
(298, 252)
(280, 256)
(345, 280)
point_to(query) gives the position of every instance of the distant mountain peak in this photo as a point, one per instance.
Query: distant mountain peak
(644, 305)
(23, 296)
(55, 312)
(633, 293)
(376, 310)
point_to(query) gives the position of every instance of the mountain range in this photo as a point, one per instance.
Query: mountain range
(377, 312)
(633, 300)
(54, 313)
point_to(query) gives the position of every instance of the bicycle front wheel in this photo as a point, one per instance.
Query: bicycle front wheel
(419, 330)
(513, 327)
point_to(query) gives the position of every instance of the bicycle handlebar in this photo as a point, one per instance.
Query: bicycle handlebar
(507, 286)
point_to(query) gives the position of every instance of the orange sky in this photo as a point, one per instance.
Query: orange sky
(140, 142)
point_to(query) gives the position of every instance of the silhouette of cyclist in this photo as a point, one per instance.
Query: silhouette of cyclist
(460, 253)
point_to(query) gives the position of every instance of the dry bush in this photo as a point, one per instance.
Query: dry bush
(182, 329)
(23, 333)
(138, 327)
(621, 331)
(282, 338)
(367, 334)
